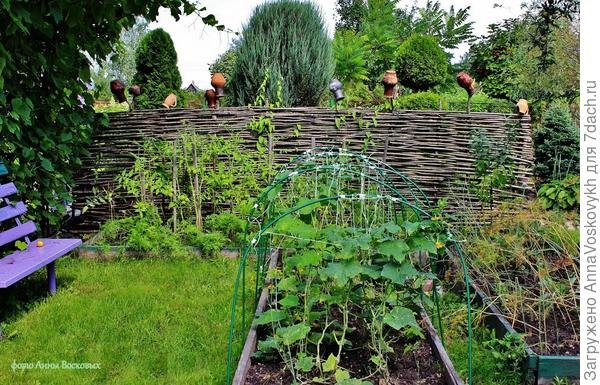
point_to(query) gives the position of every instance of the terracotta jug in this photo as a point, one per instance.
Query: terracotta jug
(218, 82)
(390, 79)
(117, 88)
(170, 101)
(466, 81)
(211, 98)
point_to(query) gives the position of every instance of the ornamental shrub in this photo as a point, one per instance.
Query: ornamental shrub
(421, 63)
(421, 101)
(556, 144)
(157, 73)
(286, 44)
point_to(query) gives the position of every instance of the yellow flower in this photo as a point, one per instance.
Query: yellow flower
(439, 244)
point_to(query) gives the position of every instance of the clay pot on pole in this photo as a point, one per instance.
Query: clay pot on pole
(465, 81)
(218, 81)
(211, 98)
(170, 101)
(134, 91)
(336, 89)
(390, 80)
(117, 88)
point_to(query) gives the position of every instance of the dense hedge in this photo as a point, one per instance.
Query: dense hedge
(285, 46)
(556, 144)
(421, 63)
(157, 73)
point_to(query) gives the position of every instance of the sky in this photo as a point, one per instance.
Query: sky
(198, 45)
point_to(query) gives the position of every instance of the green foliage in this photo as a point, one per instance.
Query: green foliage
(156, 65)
(288, 39)
(381, 38)
(350, 54)
(349, 14)
(420, 101)
(450, 28)
(210, 244)
(121, 63)
(421, 63)
(512, 61)
(227, 224)
(529, 257)
(339, 286)
(560, 194)
(556, 144)
(222, 174)
(508, 352)
(43, 69)
(493, 164)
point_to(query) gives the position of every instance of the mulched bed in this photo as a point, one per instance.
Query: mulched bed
(418, 366)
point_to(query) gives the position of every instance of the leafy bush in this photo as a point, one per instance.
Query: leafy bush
(509, 352)
(350, 56)
(157, 73)
(420, 101)
(288, 39)
(228, 224)
(210, 244)
(556, 144)
(421, 63)
(560, 194)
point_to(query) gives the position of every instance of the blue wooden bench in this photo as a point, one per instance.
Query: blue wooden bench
(39, 253)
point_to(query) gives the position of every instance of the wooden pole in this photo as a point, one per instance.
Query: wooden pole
(174, 185)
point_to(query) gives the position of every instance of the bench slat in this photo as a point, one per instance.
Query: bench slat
(10, 211)
(18, 232)
(7, 189)
(20, 264)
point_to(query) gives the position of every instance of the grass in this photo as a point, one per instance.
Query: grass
(454, 322)
(143, 321)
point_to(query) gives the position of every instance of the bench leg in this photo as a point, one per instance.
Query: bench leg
(51, 269)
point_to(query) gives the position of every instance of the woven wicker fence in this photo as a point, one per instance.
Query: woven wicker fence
(432, 147)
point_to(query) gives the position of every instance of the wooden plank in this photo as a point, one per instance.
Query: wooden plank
(557, 366)
(7, 190)
(452, 377)
(20, 264)
(12, 211)
(250, 345)
(17, 232)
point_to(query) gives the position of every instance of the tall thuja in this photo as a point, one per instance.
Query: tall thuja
(157, 73)
(556, 144)
(288, 39)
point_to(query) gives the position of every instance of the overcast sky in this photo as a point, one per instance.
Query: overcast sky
(198, 45)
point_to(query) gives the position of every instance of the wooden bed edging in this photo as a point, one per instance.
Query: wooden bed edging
(452, 376)
(543, 368)
(250, 345)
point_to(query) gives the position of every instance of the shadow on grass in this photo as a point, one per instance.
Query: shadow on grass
(26, 294)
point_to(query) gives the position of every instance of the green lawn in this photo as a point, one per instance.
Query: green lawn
(143, 321)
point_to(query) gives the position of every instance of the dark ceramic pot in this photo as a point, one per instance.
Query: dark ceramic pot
(336, 89)
(117, 88)
(211, 98)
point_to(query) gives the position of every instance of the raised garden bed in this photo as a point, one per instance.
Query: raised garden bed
(429, 362)
(539, 368)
